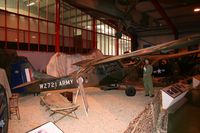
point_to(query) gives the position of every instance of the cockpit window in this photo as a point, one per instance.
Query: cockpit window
(100, 69)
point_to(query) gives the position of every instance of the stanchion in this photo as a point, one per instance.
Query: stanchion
(82, 92)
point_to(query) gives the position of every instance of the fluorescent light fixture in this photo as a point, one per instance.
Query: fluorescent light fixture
(31, 4)
(197, 10)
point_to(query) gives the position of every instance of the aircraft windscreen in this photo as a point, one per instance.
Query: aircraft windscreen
(109, 67)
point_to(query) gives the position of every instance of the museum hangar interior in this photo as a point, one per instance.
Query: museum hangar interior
(113, 66)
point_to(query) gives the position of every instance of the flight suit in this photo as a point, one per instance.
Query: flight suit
(147, 79)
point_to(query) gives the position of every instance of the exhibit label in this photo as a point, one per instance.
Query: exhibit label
(54, 84)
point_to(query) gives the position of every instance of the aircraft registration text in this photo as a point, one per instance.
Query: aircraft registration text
(55, 84)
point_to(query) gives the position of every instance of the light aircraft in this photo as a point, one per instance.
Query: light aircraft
(111, 71)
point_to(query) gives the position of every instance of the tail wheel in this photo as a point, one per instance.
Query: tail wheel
(130, 91)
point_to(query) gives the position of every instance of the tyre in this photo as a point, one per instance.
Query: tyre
(130, 91)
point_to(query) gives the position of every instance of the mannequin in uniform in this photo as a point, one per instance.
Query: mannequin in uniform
(147, 79)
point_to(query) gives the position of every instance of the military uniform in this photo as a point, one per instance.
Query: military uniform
(147, 79)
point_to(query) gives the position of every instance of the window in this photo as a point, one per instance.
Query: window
(34, 22)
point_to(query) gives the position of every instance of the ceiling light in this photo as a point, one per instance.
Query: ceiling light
(197, 10)
(31, 4)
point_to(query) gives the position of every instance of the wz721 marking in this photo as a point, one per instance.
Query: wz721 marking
(54, 84)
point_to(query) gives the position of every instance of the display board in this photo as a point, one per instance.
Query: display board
(49, 127)
(173, 93)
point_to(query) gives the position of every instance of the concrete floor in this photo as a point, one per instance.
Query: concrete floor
(109, 112)
(187, 118)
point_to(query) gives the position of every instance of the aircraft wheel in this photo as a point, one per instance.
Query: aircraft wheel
(130, 91)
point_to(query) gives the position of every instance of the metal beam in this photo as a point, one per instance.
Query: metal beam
(165, 16)
(166, 8)
(57, 47)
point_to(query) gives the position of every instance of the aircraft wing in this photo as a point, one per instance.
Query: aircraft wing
(85, 63)
(156, 58)
(176, 44)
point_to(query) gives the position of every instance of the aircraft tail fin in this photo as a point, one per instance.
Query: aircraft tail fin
(25, 75)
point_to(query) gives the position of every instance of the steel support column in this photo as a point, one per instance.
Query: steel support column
(38, 26)
(47, 26)
(117, 45)
(94, 33)
(6, 30)
(57, 47)
(87, 46)
(63, 37)
(165, 16)
(18, 25)
(29, 36)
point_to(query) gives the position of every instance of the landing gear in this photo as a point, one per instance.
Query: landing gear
(130, 91)
(110, 87)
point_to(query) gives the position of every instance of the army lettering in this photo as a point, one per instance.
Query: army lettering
(65, 82)
(55, 84)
